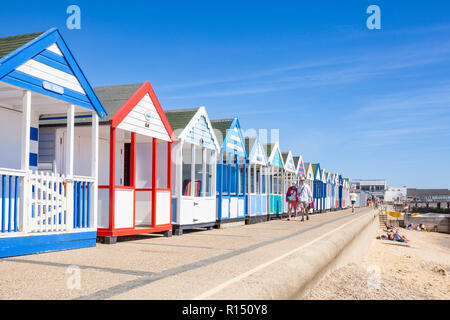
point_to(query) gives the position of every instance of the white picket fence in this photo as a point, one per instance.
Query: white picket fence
(48, 210)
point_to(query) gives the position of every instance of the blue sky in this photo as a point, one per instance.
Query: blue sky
(364, 103)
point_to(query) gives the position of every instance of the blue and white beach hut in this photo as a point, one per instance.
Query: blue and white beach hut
(44, 210)
(317, 188)
(231, 172)
(340, 191)
(289, 177)
(332, 191)
(324, 190)
(257, 170)
(275, 179)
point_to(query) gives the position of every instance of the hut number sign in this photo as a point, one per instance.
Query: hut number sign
(147, 117)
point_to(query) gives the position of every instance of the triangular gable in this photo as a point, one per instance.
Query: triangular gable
(275, 158)
(289, 163)
(143, 114)
(46, 65)
(317, 171)
(301, 171)
(309, 172)
(257, 154)
(340, 180)
(234, 141)
(199, 131)
(324, 176)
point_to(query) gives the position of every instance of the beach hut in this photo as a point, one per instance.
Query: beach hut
(345, 192)
(231, 172)
(336, 191)
(135, 146)
(324, 190)
(332, 191)
(289, 176)
(44, 210)
(275, 179)
(317, 186)
(340, 191)
(327, 191)
(309, 175)
(257, 171)
(194, 169)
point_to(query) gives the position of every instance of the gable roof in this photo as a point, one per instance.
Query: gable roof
(145, 99)
(300, 167)
(43, 63)
(9, 44)
(222, 126)
(229, 133)
(184, 122)
(288, 161)
(114, 97)
(180, 118)
(254, 148)
(272, 150)
(316, 169)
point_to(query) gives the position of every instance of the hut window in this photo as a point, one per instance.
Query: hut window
(252, 180)
(186, 171)
(241, 180)
(199, 169)
(233, 178)
(209, 172)
(263, 181)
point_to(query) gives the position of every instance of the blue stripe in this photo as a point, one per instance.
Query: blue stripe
(3, 202)
(33, 159)
(55, 57)
(34, 134)
(52, 63)
(64, 118)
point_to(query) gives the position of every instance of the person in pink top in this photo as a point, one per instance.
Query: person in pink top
(292, 199)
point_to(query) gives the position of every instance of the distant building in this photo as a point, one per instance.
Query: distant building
(375, 187)
(428, 194)
(395, 194)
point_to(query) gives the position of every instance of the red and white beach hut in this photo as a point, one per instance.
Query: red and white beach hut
(135, 153)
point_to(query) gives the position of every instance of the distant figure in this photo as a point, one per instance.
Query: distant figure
(292, 199)
(353, 200)
(305, 198)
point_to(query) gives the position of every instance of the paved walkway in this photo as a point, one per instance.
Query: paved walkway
(198, 265)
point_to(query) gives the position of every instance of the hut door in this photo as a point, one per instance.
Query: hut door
(126, 164)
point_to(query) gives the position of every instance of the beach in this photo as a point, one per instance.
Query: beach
(391, 270)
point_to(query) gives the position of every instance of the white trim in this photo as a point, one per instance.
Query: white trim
(200, 112)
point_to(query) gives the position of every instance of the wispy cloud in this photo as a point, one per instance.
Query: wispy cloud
(338, 71)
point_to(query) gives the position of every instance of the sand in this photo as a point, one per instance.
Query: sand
(418, 269)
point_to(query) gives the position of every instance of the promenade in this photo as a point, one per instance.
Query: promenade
(245, 262)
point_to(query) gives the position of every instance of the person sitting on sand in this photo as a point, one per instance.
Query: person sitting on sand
(398, 237)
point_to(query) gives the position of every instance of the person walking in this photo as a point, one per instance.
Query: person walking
(305, 198)
(353, 200)
(292, 199)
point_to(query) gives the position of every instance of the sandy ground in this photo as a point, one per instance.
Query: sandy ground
(418, 269)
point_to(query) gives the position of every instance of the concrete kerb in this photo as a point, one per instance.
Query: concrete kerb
(294, 273)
